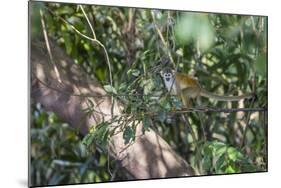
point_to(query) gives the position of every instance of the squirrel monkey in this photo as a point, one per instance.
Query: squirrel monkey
(187, 87)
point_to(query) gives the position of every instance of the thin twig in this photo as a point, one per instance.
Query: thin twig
(187, 124)
(265, 127)
(86, 37)
(201, 120)
(89, 23)
(108, 62)
(249, 113)
(205, 109)
(198, 109)
(106, 54)
(113, 174)
(48, 46)
(246, 127)
(225, 110)
(162, 39)
(202, 126)
(108, 165)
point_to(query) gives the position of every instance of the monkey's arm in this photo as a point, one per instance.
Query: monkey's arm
(188, 93)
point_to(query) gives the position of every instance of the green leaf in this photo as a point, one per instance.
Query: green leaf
(104, 138)
(148, 86)
(165, 103)
(179, 52)
(128, 135)
(91, 103)
(220, 150)
(161, 116)
(123, 86)
(103, 160)
(249, 168)
(110, 89)
(67, 41)
(134, 72)
(232, 153)
(219, 163)
(177, 103)
(207, 150)
(230, 169)
(217, 144)
(261, 65)
(88, 139)
(99, 135)
(65, 10)
(146, 122)
(102, 133)
(206, 163)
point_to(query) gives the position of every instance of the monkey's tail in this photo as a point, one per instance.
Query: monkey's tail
(208, 94)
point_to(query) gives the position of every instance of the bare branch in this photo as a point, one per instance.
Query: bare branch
(48, 46)
(89, 23)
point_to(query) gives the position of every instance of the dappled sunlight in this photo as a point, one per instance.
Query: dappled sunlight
(121, 93)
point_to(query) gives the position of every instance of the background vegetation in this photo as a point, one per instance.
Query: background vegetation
(227, 53)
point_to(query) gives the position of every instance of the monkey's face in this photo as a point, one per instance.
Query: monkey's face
(167, 76)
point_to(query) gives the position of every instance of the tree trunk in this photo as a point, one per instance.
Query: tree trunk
(148, 157)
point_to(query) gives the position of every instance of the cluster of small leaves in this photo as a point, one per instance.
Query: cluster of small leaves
(219, 158)
(59, 157)
(99, 134)
(226, 52)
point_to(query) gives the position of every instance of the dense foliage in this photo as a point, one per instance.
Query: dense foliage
(227, 53)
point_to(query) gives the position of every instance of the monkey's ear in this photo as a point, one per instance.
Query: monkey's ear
(173, 71)
(162, 73)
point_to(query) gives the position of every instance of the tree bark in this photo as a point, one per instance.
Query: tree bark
(148, 157)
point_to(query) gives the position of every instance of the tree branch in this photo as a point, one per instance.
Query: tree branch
(149, 157)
